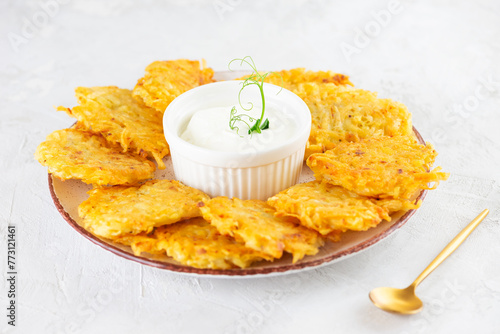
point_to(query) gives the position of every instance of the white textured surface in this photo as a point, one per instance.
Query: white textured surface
(440, 59)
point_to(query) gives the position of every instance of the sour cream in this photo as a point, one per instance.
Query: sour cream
(209, 128)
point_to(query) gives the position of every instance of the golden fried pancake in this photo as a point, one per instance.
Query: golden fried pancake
(291, 79)
(77, 154)
(254, 223)
(165, 80)
(346, 114)
(384, 167)
(118, 211)
(326, 208)
(114, 113)
(194, 243)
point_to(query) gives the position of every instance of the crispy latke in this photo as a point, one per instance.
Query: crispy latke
(114, 113)
(327, 208)
(118, 211)
(291, 79)
(384, 167)
(165, 80)
(76, 154)
(254, 223)
(194, 243)
(346, 114)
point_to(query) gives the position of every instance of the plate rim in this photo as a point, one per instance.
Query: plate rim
(237, 272)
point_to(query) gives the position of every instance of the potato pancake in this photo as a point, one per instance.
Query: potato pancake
(346, 114)
(291, 79)
(165, 80)
(326, 208)
(114, 113)
(118, 211)
(254, 223)
(77, 154)
(194, 243)
(383, 167)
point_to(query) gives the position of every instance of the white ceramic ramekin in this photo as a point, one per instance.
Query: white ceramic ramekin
(249, 173)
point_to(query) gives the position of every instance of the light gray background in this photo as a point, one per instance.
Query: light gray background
(440, 58)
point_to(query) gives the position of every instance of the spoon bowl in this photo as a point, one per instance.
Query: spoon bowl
(394, 300)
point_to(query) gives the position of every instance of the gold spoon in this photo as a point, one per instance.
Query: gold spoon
(404, 300)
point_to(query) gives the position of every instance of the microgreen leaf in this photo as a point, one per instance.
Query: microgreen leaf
(255, 128)
(265, 125)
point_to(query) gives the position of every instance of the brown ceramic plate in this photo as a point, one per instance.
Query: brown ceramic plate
(67, 195)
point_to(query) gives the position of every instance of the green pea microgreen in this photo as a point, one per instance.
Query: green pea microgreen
(257, 79)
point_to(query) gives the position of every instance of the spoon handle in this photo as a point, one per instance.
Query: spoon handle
(451, 247)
